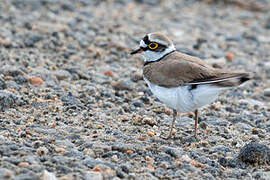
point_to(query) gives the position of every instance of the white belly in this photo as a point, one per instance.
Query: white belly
(182, 98)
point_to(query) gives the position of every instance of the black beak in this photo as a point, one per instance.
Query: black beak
(137, 51)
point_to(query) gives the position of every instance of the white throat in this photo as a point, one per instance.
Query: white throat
(154, 56)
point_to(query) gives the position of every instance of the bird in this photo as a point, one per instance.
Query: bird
(184, 83)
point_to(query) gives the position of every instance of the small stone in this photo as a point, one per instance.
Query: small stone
(108, 73)
(255, 153)
(197, 164)
(203, 125)
(149, 159)
(138, 104)
(7, 99)
(121, 85)
(217, 105)
(146, 176)
(266, 92)
(60, 150)
(136, 77)
(167, 111)
(23, 164)
(61, 74)
(141, 138)
(229, 56)
(66, 177)
(2, 84)
(150, 133)
(267, 24)
(149, 121)
(36, 81)
(42, 151)
(6, 174)
(185, 158)
(48, 176)
(92, 175)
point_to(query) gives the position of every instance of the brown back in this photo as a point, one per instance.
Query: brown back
(178, 69)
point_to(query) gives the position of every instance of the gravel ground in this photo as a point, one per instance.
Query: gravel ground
(73, 104)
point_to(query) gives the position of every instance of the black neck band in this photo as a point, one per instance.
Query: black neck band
(146, 63)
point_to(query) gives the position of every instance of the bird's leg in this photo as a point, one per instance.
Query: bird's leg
(196, 112)
(173, 121)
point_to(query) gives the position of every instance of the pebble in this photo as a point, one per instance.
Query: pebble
(48, 176)
(146, 176)
(36, 81)
(229, 56)
(122, 85)
(42, 151)
(7, 99)
(2, 84)
(108, 73)
(254, 152)
(6, 174)
(23, 164)
(266, 92)
(93, 175)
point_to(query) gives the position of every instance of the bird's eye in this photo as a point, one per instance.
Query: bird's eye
(153, 46)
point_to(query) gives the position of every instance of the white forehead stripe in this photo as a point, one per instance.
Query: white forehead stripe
(157, 40)
(142, 44)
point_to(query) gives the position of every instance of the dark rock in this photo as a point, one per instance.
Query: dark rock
(250, 36)
(27, 176)
(122, 85)
(70, 99)
(234, 38)
(254, 152)
(31, 40)
(138, 104)
(12, 85)
(20, 79)
(199, 42)
(267, 23)
(74, 153)
(216, 53)
(8, 70)
(7, 99)
(6, 174)
(126, 167)
(68, 6)
(120, 173)
(174, 152)
(203, 125)
(189, 140)
(2, 84)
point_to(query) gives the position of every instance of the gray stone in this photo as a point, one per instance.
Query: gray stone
(61, 74)
(146, 176)
(2, 84)
(65, 142)
(48, 176)
(254, 152)
(7, 99)
(6, 174)
(69, 99)
(266, 92)
(92, 175)
(27, 176)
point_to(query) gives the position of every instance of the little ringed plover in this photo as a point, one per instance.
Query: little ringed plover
(184, 83)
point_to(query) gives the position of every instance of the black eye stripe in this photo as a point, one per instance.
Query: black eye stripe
(146, 40)
(160, 47)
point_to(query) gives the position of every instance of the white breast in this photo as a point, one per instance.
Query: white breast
(182, 98)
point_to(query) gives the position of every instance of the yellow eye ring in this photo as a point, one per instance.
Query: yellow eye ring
(153, 46)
